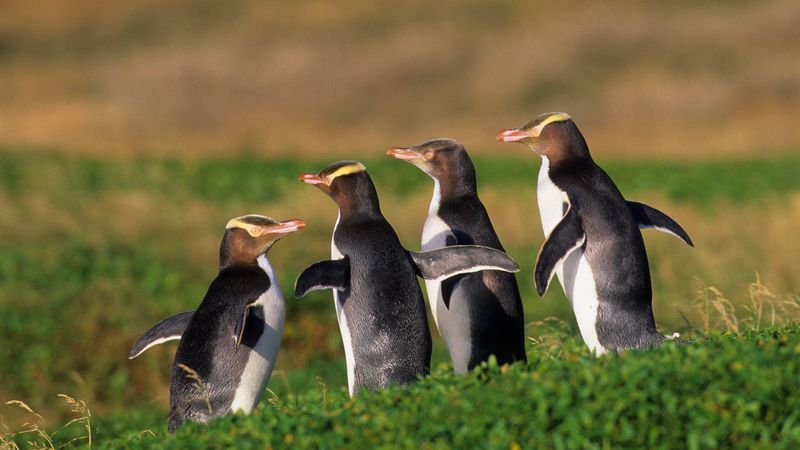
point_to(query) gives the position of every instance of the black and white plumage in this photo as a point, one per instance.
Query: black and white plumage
(477, 314)
(378, 301)
(229, 345)
(593, 243)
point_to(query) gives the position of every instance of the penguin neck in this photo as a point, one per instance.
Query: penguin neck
(359, 207)
(568, 149)
(453, 188)
(237, 261)
(234, 253)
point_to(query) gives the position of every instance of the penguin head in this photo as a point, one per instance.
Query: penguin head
(248, 237)
(348, 184)
(442, 159)
(553, 135)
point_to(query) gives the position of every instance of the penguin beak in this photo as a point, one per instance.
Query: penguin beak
(287, 226)
(403, 154)
(270, 234)
(513, 135)
(312, 179)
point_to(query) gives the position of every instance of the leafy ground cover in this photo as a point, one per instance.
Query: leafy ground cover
(720, 391)
(96, 250)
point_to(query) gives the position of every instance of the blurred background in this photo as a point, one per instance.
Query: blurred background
(131, 131)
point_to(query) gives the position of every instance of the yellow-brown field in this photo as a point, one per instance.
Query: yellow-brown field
(660, 80)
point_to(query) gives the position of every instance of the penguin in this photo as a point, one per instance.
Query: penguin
(592, 238)
(477, 314)
(229, 345)
(379, 304)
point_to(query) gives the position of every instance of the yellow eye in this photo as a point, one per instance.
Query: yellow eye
(428, 155)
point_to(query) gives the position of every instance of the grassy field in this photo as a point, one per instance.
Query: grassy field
(96, 250)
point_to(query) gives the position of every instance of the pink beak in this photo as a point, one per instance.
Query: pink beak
(402, 153)
(288, 226)
(311, 178)
(513, 136)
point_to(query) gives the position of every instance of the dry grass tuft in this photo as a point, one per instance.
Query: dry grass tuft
(711, 306)
(550, 335)
(274, 399)
(83, 415)
(763, 307)
(40, 438)
(714, 309)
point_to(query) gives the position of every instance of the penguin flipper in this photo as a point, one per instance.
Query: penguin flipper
(565, 237)
(649, 217)
(239, 327)
(446, 262)
(329, 274)
(169, 329)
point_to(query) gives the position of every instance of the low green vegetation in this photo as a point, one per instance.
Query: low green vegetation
(96, 250)
(725, 391)
(246, 179)
(718, 391)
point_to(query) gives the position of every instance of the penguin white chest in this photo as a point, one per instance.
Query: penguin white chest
(262, 357)
(551, 199)
(453, 324)
(344, 329)
(434, 236)
(574, 273)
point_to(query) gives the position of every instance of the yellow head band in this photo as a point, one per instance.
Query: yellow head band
(344, 170)
(554, 117)
(252, 229)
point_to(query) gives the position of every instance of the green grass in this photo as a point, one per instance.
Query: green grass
(254, 179)
(724, 391)
(96, 250)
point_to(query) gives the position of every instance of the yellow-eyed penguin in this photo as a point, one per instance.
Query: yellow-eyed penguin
(229, 345)
(477, 314)
(378, 301)
(593, 242)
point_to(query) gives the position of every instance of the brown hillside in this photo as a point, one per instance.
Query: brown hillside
(185, 76)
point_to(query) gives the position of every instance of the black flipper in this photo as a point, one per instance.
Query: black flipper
(238, 330)
(329, 274)
(649, 217)
(446, 262)
(566, 236)
(169, 329)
